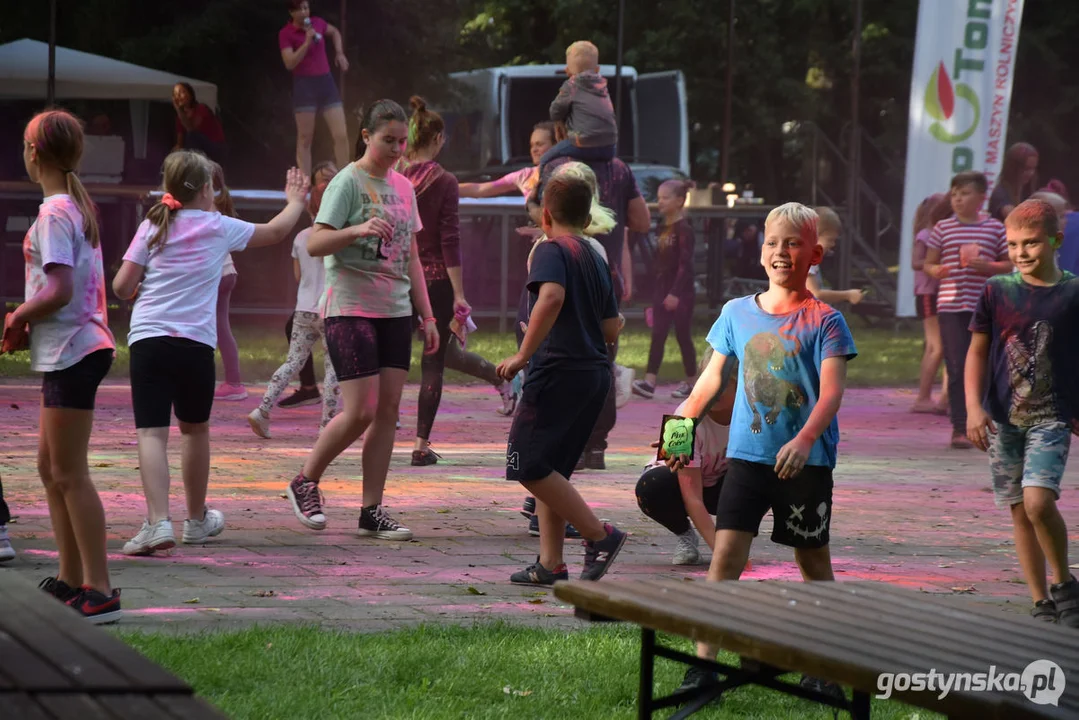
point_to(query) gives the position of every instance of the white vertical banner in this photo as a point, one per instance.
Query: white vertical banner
(960, 92)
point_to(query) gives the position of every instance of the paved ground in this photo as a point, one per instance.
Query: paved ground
(907, 510)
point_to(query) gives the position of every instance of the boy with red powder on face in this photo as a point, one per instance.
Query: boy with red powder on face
(1025, 332)
(792, 352)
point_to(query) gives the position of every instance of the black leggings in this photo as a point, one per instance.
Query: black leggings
(5, 514)
(660, 498)
(682, 319)
(450, 355)
(307, 372)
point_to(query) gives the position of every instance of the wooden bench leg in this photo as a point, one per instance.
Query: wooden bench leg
(859, 706)
(648, 662)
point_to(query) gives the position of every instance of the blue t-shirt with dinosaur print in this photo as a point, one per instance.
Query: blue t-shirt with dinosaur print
(779, 358)
(1033, 346)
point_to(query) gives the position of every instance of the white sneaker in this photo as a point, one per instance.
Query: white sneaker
(259, 423)
(199, 531)
(151, 538)
(6, 551)
(623, 383)
(687, 553)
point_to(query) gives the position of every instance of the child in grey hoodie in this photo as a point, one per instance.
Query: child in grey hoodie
(584, 105)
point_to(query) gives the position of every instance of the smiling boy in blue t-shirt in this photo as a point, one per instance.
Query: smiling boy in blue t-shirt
(792, 351)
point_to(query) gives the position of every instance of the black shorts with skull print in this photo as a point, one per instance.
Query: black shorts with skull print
(801, 506)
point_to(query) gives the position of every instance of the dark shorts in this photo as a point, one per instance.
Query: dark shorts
(311, 93)
(171, 374)
(801, 506)
(554, 419)
(926, 305)
(359, 347)
(75, 387)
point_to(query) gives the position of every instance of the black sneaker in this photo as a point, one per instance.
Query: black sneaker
(422, 458)
(96, 607)
(644, 389)
(599, 555)
(1066, 598)
(1044, 610)
(594, 460)
(302, 396)
(529, 507)
(307, 501)
(536, 574)
(58, 589)
(698, 678)
(822, 686)
(374, 522)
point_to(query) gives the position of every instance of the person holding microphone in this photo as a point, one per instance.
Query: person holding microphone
(303, 49)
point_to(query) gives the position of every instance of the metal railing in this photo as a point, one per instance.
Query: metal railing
(495, 254)
(879, 239)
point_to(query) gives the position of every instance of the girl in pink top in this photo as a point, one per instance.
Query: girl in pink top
(931, 211)
(64, 324)
(303, 50)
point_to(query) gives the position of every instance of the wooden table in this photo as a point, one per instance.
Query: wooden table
(848, 633)
(53, 664)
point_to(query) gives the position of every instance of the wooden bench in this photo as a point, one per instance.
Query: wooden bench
(847, 633)
(53, 664)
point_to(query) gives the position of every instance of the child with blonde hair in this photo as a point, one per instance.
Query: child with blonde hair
(174, 265)
(64, 324)
(584, 106)
(793, 351)
(930, 211)
(829, 227)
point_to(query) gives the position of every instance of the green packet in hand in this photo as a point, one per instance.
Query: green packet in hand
(676, 436)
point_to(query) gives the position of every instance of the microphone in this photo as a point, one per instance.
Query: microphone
(307, 24)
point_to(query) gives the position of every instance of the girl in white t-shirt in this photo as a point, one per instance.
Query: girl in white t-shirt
(691, 495)
(65, 325)
(174, 267)
(307, 329)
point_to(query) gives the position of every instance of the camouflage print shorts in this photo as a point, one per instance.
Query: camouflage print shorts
(1027, 457)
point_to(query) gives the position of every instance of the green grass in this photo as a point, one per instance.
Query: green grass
(443, 672)
(886, 357)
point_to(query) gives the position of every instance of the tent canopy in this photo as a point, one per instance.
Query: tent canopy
(24, 74)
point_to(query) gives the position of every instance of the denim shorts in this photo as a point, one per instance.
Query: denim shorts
(1027, 457)
(311, 93)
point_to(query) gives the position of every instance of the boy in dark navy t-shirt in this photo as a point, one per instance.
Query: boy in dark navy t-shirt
(573, 314)
(1022, 400)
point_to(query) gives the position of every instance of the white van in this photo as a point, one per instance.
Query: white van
(491, 123)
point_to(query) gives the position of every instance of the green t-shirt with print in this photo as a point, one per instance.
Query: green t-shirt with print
(369, 278)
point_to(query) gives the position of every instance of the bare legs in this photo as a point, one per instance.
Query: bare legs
(932, 358)
(371, 404)
(305, 136)
(335, 120)
(154, 469)
(1040, 536)
(558, 502)
(78, 518)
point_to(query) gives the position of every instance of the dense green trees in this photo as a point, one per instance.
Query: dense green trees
(792, 63)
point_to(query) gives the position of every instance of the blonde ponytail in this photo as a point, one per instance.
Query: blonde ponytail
(86, 206)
